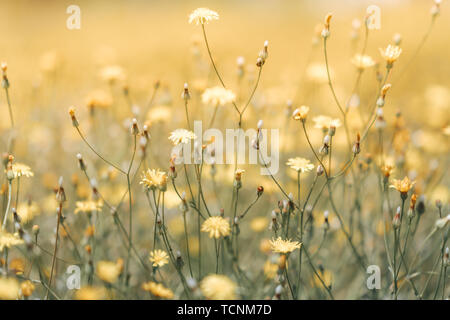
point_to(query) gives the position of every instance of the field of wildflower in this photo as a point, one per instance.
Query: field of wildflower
(107, 191)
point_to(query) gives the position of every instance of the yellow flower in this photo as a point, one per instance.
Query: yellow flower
(20, 169)
(154, 178)
(387, 170)
(284, 246)
(300, 164)
(8, 240)
(217, 227)
(157, 290)
(391, 53)
(218, 287)
(202, 16)
(238, 174)
(90, 293)
(27, 287)
(363, 61)
(108, 271)
(259, 224)
(325, 122)
(88, 206)
(159, 258)
(181, 136)
(218, 96)
(300, 113)
(9, 289)
(27, 211)
(402, 186)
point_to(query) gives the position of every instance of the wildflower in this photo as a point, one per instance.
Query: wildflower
(387, 170)
(154, 178)
(202, 16)
(402, 186)
(238, 174)
(216, 226)
(363, 61)
(9, 289)
(87, 206)
(8, 240)
(326, 26)
(300, 113)
(435, 9)
(181, 136)
(284, 246)
(90, 293)
(218, 287)
(186, 95)
(325, 122)
(27, 287)
(73, 117)
(158, 290)
(390, 54)
(20, 169)
(218, 96)
(108, 271)
(300, 164)
(159, 258)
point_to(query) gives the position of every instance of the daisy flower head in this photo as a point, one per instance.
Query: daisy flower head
(218, 96)
(21, 170)
(216, 227)
(181, 136)
(300, 164)
(218, 287)
(402, 186)
(391, 54)
(159, 258)
(202, 16)
(154, 178)
(300, 113)
(284, 246)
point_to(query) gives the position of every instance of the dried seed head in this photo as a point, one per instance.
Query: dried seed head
(185, 95)
(260, 124)
(81, 163)
(134, 127)
(319, 170)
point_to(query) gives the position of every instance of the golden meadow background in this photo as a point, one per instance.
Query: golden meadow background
(51, 68)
